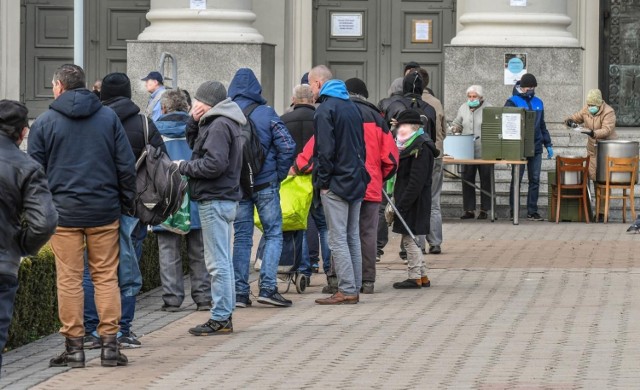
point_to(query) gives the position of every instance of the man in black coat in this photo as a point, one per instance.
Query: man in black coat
(412, 88)
(91, 172)
(27, 215)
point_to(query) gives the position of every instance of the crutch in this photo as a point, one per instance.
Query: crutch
(397, 213)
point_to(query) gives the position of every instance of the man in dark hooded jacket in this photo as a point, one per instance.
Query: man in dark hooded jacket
(412, 88)
(279, 149)
(91, 172)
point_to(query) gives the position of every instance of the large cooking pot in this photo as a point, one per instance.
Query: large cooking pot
(459, 146)
(614, 148)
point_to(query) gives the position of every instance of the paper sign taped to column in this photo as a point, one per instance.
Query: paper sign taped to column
(198, 4)
(518, 3)
(511, 126)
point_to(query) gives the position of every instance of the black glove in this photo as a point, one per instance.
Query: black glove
(588, 132)
(570, 123)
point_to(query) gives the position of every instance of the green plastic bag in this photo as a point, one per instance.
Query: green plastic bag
(296, 193)
(180, 222)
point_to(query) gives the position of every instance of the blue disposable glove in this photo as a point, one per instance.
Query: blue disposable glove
(550, 152)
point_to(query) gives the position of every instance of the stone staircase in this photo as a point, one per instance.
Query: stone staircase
(565, 143)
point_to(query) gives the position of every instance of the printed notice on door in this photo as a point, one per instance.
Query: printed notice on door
(198, 4)
(511, 126)
(346, 24)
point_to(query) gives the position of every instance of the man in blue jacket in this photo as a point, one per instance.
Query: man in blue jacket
(279, 150)
(84, 151)
(524, 97)
(340, 175)
(27, 215)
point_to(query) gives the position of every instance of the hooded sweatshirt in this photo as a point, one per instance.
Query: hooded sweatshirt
(532, 103)
(274, 137)
(339, 153)
(216, 162)
(87, 158)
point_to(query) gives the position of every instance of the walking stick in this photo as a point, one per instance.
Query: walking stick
(395, 210)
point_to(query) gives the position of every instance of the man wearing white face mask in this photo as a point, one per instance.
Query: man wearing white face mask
(469, 121)
(598, 121)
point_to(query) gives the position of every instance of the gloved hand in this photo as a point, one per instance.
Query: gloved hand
(570, 123)
(550, 152)
(588, 132)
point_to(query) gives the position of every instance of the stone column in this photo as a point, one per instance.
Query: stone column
(9, 50)
(209, 44)
(490, 29)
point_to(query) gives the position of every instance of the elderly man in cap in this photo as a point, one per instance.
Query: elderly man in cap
(214, 134)
(27, 214)
(598, 121)
(155, 86)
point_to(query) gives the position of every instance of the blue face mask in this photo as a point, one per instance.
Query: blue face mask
(593, 109)
(473, 103)
(530, 93)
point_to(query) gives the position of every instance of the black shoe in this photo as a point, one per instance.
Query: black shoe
(129, 341)
(92, 341)
(110, 355)
(243, 301)
(424, 251)
(170, 308)
(203, 306)
(367, 287)
(468, 215)
(435, 249)
(408, 284)
(482, 215)
(73, 355)
(315, 267)
(534, 217)
(213, 327)
(511, 215)
(403, 255)
(273, 298)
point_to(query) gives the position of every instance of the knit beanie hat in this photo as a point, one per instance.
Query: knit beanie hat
(594, 98)
(115, 85)
(13, 117)
(411, 65)
(528, 81)
(357, 86)
(413, 83)
(411, 117)
(211, 93)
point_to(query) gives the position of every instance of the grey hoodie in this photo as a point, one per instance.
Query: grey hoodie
(216, 162)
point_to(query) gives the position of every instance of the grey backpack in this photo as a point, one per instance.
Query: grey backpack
(159, 186)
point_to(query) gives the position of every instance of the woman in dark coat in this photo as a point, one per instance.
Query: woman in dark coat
(412, 192)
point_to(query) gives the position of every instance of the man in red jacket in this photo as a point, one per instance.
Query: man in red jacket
(381, 163)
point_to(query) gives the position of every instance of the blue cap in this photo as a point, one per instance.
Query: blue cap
(153, 76)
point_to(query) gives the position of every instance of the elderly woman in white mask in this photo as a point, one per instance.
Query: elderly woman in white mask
(468, 121)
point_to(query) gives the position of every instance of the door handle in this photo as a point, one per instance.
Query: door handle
(384, 45)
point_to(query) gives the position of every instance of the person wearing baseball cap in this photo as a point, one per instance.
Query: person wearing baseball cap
(524, 97)
(155, 86)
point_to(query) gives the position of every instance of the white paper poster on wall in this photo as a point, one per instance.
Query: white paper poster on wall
(518, 3)
(515, 65)
(346, 24)
(198, 4)
(511, 126)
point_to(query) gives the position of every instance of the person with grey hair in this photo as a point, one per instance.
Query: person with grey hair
(214, 132)
(172, 126)
(469, 121)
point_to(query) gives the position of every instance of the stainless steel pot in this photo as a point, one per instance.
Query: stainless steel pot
(460, 147)
(614, 148)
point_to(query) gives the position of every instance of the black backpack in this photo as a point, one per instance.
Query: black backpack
(159, 185)
(428, 122)
(253, 155)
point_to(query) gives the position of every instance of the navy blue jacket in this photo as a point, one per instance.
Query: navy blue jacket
(534, 103)
(274, 136)
(339, 152)
(84, 151)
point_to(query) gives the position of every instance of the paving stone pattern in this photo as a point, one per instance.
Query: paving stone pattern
(535, 306)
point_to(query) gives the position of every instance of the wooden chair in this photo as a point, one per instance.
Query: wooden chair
(580, 165)
(627, 165)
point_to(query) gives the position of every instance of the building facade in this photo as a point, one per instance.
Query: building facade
(370, 39)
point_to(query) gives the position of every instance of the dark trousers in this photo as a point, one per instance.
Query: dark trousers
(368, 239)
(8, 288)
(383, 228)
(469, 192)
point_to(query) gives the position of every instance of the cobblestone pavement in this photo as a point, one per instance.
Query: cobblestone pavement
(535, 306)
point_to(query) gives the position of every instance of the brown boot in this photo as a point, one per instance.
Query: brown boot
(73, 356)
(338, 299)
(409, 283)
(111, 356)
(425, 281)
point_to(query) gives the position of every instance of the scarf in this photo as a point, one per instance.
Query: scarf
(405, 142)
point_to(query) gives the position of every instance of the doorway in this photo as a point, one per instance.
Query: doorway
(374, 39)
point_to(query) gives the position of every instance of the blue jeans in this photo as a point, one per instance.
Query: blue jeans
(129, 277)
(216, 217)
(343, 220)
(267, 201)
(534, 164)
(8, 288)
(316, 214)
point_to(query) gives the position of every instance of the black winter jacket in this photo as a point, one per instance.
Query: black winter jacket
(85, 153)
(299, 122)
(412, 191)
(216, 162)
(127, 112)
(415, 102)
(27, 215)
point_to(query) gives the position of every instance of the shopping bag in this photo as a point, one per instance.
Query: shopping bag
(296, 193)
(180, 222)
